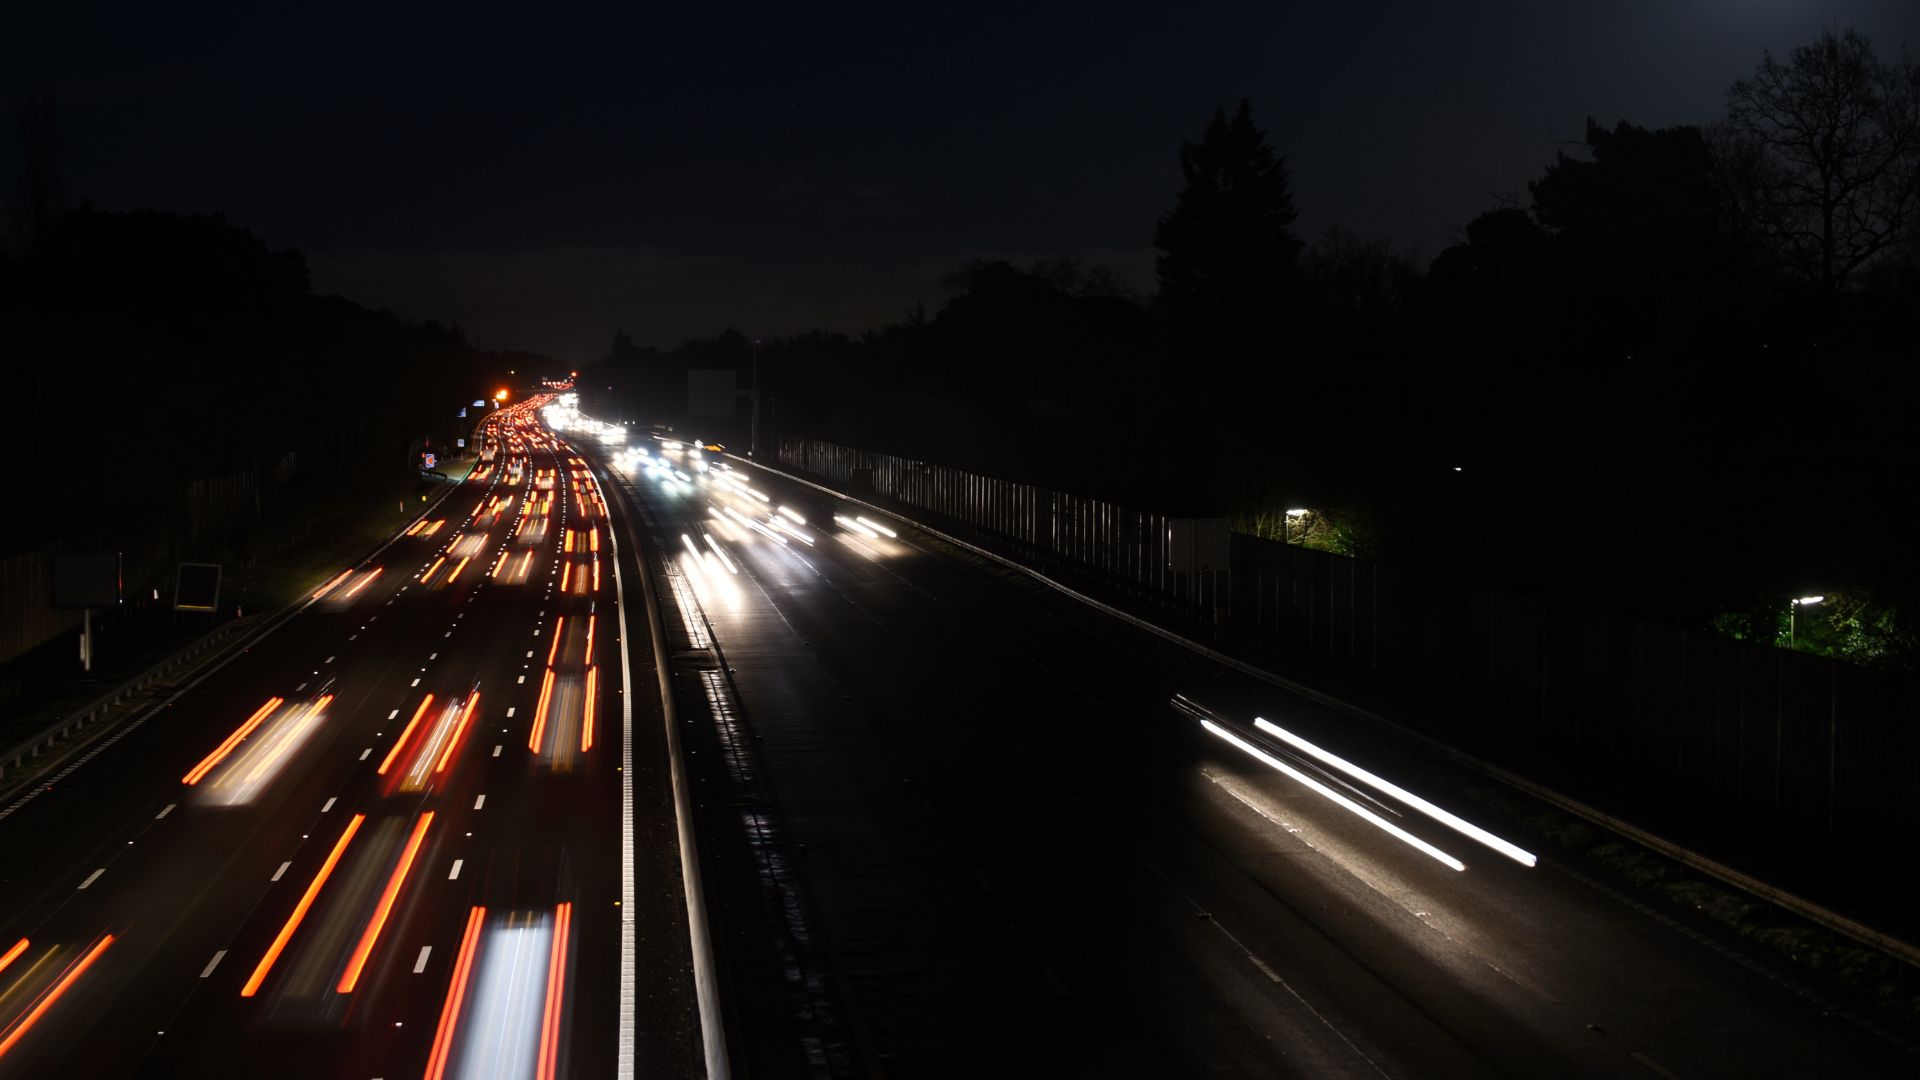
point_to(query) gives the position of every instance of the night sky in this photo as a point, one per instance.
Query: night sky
(543, 178)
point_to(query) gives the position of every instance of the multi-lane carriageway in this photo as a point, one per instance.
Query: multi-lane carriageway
(948, 823)
(386, 840)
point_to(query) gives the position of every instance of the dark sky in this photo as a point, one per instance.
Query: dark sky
(545, 177)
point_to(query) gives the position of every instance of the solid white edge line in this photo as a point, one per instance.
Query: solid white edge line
(1372, 818)
(1444, 817)
(705, 990)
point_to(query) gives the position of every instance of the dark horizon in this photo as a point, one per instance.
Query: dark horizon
(782, 171)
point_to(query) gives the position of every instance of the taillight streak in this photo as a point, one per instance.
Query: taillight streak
(358, 962)
(300, 910)
(402, 740)
(456, 993)
(220, 753)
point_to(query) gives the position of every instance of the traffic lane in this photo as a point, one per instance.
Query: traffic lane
(103, 888)
(1659, 989)
(1497, 912)
(1040, 982)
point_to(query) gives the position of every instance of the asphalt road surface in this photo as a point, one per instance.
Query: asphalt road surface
(954, 828)
(387, 839)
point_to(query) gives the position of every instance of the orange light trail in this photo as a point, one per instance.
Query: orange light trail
(13, 953)
(524, 563)
(53, 995)
(450, 1014)
(363, 583)
(568, 547)
(402, 740)
(300, 911)
(540, 713)
(457, 569)
(358, 962)
(556, 983)
(552, 652)
(220, 753)
(331, 585)
(415, 527)
(590, 621)
(596, 573)
(566, 571)
(504, 554)
(436, 565)
(458, 731)
(586, 730)
(593, 539)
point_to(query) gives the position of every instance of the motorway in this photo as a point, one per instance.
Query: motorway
(385, 840)
(953, 825)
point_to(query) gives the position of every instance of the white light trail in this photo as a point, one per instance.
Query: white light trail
(1375, 819)
(1465, 828)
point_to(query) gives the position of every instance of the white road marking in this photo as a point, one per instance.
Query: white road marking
(393, 714)
(213, 963)
(351, 637)
(478, 802)
(529, 654)
(415, 682)
(364, 753)
(435, 655)
(282, 870)
(523, 678)
(420, 965)
(299, 688)
(1262, 965)
(165, 812)
(496, 751)
(329, 660)
(329, 805)
(510, 709)
(454, 874)
(1652, 1064)
(92, 877)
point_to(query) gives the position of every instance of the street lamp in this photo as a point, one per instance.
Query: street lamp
(1289, 531)
(1793, 609)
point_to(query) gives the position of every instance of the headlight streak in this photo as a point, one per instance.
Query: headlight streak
(853, 525)
(877, 527)
(1465, 828)
(358, 961)
(456, 992)
(220, 752)
(60, 988)
(261, 757)
(722, 552)
(300, 910)
(329, 586)
(1376, 820)
(786, 513)
(365, 580)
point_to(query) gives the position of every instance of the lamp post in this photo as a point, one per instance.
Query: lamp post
(1793, 609)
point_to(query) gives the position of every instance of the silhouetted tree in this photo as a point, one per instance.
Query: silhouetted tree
(1831, 144)
(1227, 248)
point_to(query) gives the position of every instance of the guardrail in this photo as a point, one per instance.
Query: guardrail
(102, 708)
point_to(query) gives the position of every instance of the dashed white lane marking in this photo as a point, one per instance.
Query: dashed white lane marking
(329, 660)
(420, 965)
(213, 963)
(1058, 986)
(364, 753)
(529, 654)
(165, 812)
(496, 750)
(395, 713)
(454, 874)
(433, 655)
(282, 870)
(523, 678)
(1262, 965)
(510, 709)
(350, 637)
(299, 688)
(93, 877)
(479, 801)
(448, 634)
(415, 682)
(329, 805)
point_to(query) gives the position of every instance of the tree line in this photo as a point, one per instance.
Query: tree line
(1668, 377)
